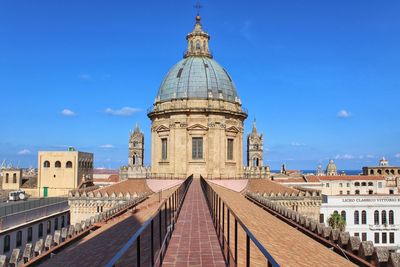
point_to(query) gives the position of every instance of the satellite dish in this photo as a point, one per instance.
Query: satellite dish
(21, 196)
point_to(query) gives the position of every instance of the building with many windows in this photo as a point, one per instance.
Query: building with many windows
(371, 217)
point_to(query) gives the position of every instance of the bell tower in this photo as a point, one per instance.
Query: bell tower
(255, 145)
(136, 147)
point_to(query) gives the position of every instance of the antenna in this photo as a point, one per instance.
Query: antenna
(198, 6)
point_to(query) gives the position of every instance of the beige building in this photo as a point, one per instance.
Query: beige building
(197, 117)
(61, 171)
(12, 179)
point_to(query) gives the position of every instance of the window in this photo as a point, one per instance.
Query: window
(57, 164)
(391, 191)
(348, 192)
(7, 176)
(340, 185)
(62, 221)
(327, 184)
(6, 244)
(14, 178)
(363, 236)
(230, 149)
(46, 164)
(164, 148)
(363, 217)
(376, 239)
(29, 237)
(197, 147)
(336, 212)
(357, 192)
(384, 219)
(379, 172)
(48, 227)
(40, 230)
(356, 217)
(68, 164)
(343, 214)
(321, 217)
(197, 45)
(19, 238)
(363, 184)
(55, 224)
(384, 238)
(370, 192)
(340, 192)
(370, 184)
(391, 217)
(376, 217)
(348, 184)
(391, 238)
(380, 184)
(356, 184)
(356, 234)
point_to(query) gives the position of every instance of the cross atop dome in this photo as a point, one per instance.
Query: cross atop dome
(198, 41)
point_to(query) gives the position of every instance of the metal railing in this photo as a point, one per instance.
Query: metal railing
(23, 205)
(167, 219)
(218, 209)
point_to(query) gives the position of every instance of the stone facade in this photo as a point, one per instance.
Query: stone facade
(331, 169)
(12, 179)
(255, 145)
(61, 171)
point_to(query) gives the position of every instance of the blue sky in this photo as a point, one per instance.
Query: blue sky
(322, 78)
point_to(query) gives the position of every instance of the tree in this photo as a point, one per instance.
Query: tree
(336, 221)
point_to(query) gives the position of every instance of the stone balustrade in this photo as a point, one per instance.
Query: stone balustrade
(44, 247)
(378, 256)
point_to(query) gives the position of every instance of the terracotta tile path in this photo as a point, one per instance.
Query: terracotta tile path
(194, 241)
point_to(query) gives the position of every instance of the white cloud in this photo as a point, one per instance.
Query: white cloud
(68, 112)
(343, 114)
(344, 156)
(297, 144)
(24, 152)
(125, 111)
(369, 156)
(85, 77)
(107, 146)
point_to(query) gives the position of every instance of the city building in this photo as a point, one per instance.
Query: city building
(370, 217)
(12, 179)
(197, 117)
(61, 171)
(331, 169)
(382, 169)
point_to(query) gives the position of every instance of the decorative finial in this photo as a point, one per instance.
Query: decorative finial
(198, 6)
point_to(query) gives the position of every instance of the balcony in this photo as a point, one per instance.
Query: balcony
(384, 227)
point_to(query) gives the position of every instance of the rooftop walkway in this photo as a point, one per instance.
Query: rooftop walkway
(194, 241)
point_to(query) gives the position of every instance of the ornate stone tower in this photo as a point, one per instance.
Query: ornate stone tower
(255, 148)
(136, 147)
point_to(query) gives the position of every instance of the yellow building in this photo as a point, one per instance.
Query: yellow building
(61, 171)
(12, 179)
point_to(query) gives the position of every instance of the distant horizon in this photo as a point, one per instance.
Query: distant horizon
(320, 77)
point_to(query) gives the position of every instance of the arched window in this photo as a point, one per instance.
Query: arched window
(48, 227)
(46, 164)
(376, 217)
(7, 177)
(14, 178)
(371, 172)
(336, 212)
(384, 219)
(197, 45)
(6, 247)
(19, 238)
(398, 171)
(379, 172)
(363, 217)
(356, 217)
(343, 214)
(392, 172)
(340, 185)
(387, 171)
(191, 45)
(356, 184)
(68, 164)
(370, 183)
(57, 164)
(363, 184)
(357, 192)
(391, 217)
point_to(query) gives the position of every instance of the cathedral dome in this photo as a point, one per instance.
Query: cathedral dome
(197, 77)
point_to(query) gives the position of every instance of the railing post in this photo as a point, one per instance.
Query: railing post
(247, 250)
(236, 239)
(152, 242)
(138, 251)
(229, 231)
(223, 225)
